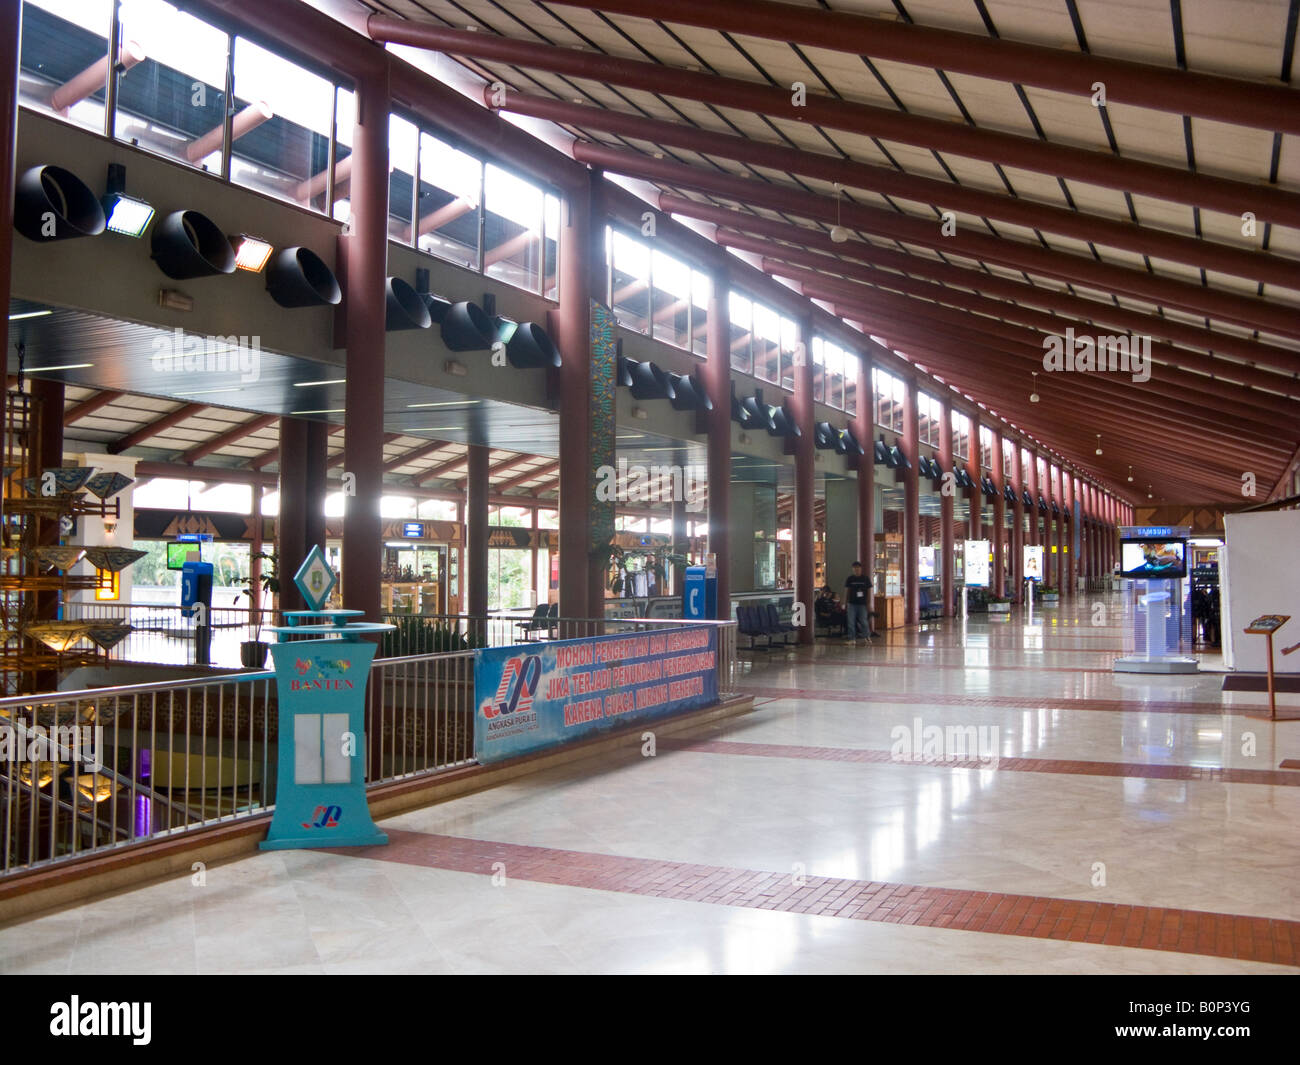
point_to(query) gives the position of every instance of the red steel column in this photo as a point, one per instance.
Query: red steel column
(805, 483)
(1062, 537)
(1018, 527)
(946, 546)
(1050, 577)
(365, 250)
(865, 429)
(999, 516)
(476, 531)
(716, 374)
(573, 336)
(1067, 508)
(290, 532)
(972, 458)
(10, 28)
(911, 506)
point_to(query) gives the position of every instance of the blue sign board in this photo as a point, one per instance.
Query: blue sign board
(531, 697)
(196, 587)
(413, 530)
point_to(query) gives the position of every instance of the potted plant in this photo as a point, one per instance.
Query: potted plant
(1049, 594)
(999, 604)
(252, 653)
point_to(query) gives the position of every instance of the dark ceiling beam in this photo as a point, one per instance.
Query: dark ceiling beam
(341, 457)
(231, 436)
(439, 470)
(1251, 406)
(943, 195)
(1268, 203)
(87, 407)
(1241, 102)
(531, 475)
(161, 425)
(414, 455)
(1277, 378)
(728, 221)
(509, 464)
(1250, 311)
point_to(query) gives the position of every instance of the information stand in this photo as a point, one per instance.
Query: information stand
(1265, 626)
(320, 798)
(1156, 566)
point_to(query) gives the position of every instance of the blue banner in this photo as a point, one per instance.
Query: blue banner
(531, 697)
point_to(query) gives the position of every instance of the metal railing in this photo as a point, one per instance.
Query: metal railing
(164, 635)
(89, 771)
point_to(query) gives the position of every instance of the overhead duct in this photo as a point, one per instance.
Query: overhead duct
(187, 244)
(467, 327)
(528, 345)
(51, 203)
(689, 393)
(850, 443)
(404, 308)
(900, 460)
(298, 277)
(645, 379)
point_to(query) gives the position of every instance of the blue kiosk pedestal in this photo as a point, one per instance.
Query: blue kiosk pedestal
(700, 593)
(320, 798)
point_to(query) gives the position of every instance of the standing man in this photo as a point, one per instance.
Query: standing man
(857, 596)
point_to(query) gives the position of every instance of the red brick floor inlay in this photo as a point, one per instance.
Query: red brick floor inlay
(1222, 935)
(1205, 774)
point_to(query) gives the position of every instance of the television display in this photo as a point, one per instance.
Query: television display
(1153, 560)
(179, 554)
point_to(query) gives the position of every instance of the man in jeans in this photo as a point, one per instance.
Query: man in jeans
(857, 595)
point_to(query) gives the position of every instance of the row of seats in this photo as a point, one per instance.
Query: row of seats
(765, 621)
(931, 606)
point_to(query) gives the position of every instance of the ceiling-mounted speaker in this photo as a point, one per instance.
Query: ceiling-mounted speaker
(51, 203)
(298, 277)
(689, 393)
(187, 244)
(645, 379)
(403, 307)
(530, 347)
(467, 327)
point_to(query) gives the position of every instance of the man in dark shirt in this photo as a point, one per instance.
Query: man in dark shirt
(857, 597)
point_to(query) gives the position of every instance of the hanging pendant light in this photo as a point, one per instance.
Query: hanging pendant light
(839, 235)
(1033, 396)
(1098, 451)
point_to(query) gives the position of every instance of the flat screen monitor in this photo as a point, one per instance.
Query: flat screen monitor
(179, 554)
(1153, 560)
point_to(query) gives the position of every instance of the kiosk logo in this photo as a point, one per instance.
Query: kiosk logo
(79, 1018)
(1068, 353)
(325, 817)
(177, 352)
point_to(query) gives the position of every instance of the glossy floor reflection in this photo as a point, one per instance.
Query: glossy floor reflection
(998, 764)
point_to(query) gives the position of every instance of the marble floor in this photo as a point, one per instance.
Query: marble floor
(970, 797)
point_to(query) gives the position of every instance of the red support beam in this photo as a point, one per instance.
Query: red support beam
(414, 455)
(87, 407)
(231, 436)
(1238, 101)
(531, 475)
(160, 425)
(1097, 168)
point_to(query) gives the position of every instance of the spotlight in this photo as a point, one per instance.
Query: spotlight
(51, 203)
(251, 253)
(127, 215)
(187, 244)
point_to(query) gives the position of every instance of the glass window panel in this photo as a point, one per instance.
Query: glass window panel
(548, 519)
(403, 144)
(631, 281)
(345, 119)
(64, 58)
(851, 368)
(512, 237)
(701, 290)
(173, 102)
(789, 342)
(819, 369)
(767, 343)
(449, 207)
(551, 249)
(741, 314)
(281, 126)
(671, 299)
(835, 376)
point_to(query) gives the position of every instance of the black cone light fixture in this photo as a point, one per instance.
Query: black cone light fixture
(298, 277)
(467, 327)
(528, 345)
(51, 203)
(187, 244)
(645, 379)
(404, 308)
(689, 393)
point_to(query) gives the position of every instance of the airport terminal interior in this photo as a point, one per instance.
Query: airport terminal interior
(650, 486)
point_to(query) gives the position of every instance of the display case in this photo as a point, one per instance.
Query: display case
(888, 570)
